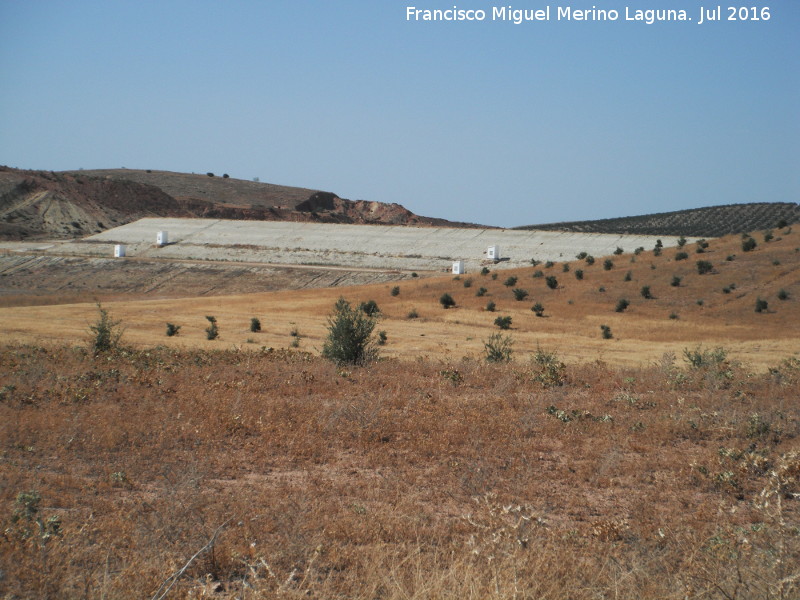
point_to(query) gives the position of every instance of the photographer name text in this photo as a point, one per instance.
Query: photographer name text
(647, 16)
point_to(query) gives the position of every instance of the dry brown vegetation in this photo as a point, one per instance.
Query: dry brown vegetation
(661, 463)
(401, 480)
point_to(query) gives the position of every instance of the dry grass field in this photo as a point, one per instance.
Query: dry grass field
(661, 463)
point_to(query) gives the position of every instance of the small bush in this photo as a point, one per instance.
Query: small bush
(491, 306)
(659, 244)
(703, 267)
(581, 255)
(579, 274)
(106, 332)
(535, 263)
(681, 242)
(622, 304)
(702, 358)
(548, 369)
(783, 294)
(395, 291)
(510, 282)
(761, 305)
(498, 347)
(481, 292)
(638, 250)
(210, 174)
(748, 244)
(768, 235)
(412, 314)
(538, 274)
(295, 332)
(382, 337)
(349, 338)
(726, 290)
(549, 264)
(172, 329)
(503, 322)
(656, 251)
(255, 325)
(601, 289)
(538, 309)
(520, 294)
(628, 276)
(485, 271)
(673, 316)
(681, 256)
(414, 274)
(646, 293)
(212, 331)
(608, 264)
(606, 332)
(676, 281)
(369, 308)
(730, 257)
(494, 276)
(552, 282)
(565, 268)
(446, 300)
(468, 283)
(225, 176)
(589, 259)
(700, 302)
(618, 251)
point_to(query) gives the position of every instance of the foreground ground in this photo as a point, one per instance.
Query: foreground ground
(275, 474)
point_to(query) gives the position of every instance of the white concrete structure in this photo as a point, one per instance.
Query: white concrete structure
(162, 239)
(119, 251)
(358, 246)
(458, 267)
(493, 253)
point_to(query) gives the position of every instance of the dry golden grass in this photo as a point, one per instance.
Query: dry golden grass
(571, 325)
(405, 479)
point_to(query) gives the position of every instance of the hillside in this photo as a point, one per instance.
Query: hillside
(711, 221)
(46, 204)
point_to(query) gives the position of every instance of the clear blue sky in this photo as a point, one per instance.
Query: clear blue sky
(487, 122)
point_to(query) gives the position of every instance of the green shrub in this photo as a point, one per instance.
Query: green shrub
(552, 282)
(395, 290)
(414, 274)
(446, 300)
(628, 276)
(503, 322)
(589, 259)
(382, 338)
(412, 314)
(656, 251)
(703, 267)
(485, 271)
(520, 294)
(510, 282)
(681, 242)
(369, 308)
(538, 309)
(579, 274)
(638, 250)
(549, 264)
(106, 332)
(535, 263)
(622, 304)
(681, 256)
(581, 255)
(468, 283)
(673, 316)
(618, 251)
(700, 302)
(255, 325)
(490, 306)
(608, 264)
(768, 235)
(498, 347)
(761, 305)
(481, 292)
(565, 268)
(606, 332)
(676, 281)
(646, 293)
(748, 244)
(730, 257)
(494, 276)
(783, 294)
(548, 369)
(702, 358)
(538, 274)
(172, 329)
(212, 331)
(349, 338)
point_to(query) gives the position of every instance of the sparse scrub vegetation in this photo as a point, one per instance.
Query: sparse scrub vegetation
(618, 251)
(498, 348)
(622, 304)
(395, 291)
(369, 308)
(748, 244)
(578, 274)
(520, 294)
(538, 309)
(481, 292)
(255, 325)
(783, 294)
(349, 339)
(446, 300)
(605, 331)
(676, 281)
(704, 267)
(172, 329)
(503, 322)
(212, 331)
(491, 306)
(761, 305)
(106, 332)
(511, 281)
(646, 293)
(681, 256)
(552, 282)
(608, 264)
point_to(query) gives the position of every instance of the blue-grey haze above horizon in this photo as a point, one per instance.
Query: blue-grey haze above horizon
(487, 122)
